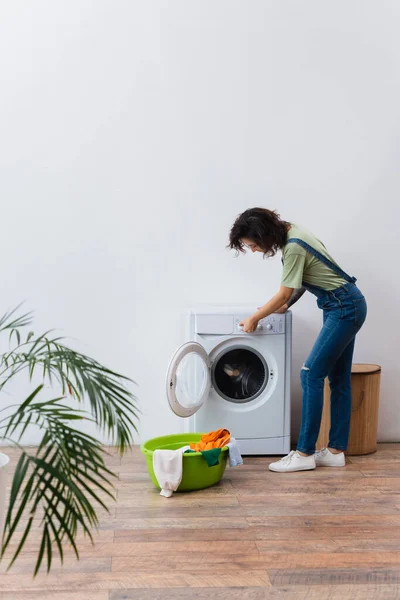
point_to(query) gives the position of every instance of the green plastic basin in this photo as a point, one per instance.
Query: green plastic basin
(196, 474)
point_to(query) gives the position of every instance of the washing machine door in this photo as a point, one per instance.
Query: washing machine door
(188, 379)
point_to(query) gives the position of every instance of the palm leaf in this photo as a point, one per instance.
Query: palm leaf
(8, 322)
(62, 480)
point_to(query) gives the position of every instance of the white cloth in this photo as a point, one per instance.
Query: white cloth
(167, 465)
(235, 458)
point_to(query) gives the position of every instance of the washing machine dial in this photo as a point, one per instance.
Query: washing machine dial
(269, 326)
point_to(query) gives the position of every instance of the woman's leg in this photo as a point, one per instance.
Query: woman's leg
(340, 384)
(335, 336)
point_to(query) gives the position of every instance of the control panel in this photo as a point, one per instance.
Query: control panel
(273, 324)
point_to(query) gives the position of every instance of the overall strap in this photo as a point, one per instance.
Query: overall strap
(323, 259)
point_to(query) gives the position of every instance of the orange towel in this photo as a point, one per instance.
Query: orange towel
(214, 439)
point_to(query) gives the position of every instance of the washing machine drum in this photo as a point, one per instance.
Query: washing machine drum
(240, 375)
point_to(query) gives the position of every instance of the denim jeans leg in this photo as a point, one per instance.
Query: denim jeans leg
(340, 384)
(311, 411)
(335, 336)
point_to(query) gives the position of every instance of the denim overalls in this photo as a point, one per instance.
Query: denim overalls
(344, 312)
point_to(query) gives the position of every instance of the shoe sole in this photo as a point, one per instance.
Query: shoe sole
(292, 470)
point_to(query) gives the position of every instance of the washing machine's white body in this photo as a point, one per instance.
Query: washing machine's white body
(257, 410)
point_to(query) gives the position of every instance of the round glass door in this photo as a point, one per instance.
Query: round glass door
(240, 375)
(188, 379)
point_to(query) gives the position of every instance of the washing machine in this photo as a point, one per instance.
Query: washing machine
(225, 378)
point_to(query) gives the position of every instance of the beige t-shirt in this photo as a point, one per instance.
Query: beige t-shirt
(299, 265)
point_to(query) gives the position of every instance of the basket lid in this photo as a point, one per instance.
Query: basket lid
(365, 368)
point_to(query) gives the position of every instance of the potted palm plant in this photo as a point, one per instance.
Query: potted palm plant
(62, 482)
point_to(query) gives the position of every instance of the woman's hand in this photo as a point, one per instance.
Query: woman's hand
(249, 325)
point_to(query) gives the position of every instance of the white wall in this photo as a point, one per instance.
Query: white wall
(134, 131)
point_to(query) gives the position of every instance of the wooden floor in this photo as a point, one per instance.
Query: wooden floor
(320, 535)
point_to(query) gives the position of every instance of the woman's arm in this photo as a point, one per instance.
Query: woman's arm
(297, 294)
(282, 297)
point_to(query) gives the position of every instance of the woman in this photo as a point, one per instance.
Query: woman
(308, 266)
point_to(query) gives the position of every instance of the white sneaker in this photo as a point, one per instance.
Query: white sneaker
(293, 462)
(325, 458)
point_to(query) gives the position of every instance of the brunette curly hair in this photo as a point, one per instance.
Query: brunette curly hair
(263, 227)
